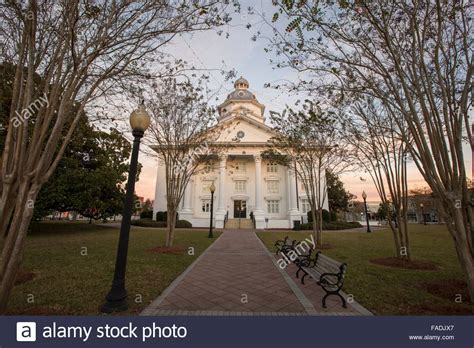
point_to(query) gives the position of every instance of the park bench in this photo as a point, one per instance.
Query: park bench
(287, 246)
(283, 244)
(328, 273)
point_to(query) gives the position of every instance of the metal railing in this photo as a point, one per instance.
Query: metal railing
(226, 217)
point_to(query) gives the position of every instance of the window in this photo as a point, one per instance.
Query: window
(272, 168)
(273, 186)
(240, 186)
(305, 206)
(206, 185)
(240, 167)
(273, 207)
(206, 205)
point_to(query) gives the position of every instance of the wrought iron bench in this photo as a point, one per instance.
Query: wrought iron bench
(286, 246)
(328, 273)
(283, 244)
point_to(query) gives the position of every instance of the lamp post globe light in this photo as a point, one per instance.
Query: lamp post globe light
(116, 299)
(364, 196)
(423, 213)
(212, 188)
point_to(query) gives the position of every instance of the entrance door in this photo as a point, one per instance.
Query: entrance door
(240, 209)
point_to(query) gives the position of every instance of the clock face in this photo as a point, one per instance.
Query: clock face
(240, 134)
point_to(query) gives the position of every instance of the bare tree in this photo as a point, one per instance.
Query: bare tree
(379, 149)
(416, 57)
(81, 50)
(182, 133)
(306, 142)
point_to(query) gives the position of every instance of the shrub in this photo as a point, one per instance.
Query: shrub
(151, 223)
(148, 223)
(146, 214)
(161, 216)
(183, 224)
(336, 225)
(326, 216)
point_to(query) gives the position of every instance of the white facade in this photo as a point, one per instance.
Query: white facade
(244, 182)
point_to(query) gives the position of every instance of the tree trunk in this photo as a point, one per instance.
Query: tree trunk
(457, 228)
(403, 251)
(320, 226)
(12, 249)
(315, 224)
(396, 240)
(171, 227)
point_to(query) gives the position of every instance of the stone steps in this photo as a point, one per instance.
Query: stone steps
(245, 224)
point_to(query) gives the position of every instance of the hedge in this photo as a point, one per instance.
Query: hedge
(336, 225)
(148, 223)
(146, 214)
(151, 223)
(327, 216)
(163, 216)
(183, 224)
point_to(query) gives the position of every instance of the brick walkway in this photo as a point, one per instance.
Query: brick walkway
(238, 276)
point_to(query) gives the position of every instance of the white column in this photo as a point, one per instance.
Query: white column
(158, 192)
(293, 213)
(221, 209)
(258, 211)
(258, 185)
(187, 204)
(221, 188)
(292, 182)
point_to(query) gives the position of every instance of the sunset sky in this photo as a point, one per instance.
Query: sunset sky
(207, 50)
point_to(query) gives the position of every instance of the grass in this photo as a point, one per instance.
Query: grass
(392, 291)
(73, 265)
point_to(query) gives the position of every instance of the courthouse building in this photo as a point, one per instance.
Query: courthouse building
(245, 183)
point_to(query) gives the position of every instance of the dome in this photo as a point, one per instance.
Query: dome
(241, 98)
(240, 94)
(241, 83)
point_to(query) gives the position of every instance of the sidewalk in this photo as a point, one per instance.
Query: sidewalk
(238, 276)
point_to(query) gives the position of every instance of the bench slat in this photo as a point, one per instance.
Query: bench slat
(328, 260)
(312, 272)
(330, 267)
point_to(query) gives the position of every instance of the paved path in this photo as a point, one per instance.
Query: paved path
(237, 275)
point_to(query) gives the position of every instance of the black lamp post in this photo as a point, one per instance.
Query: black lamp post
(212, 188)
(423, 213)
(116, 299)
(364, 196)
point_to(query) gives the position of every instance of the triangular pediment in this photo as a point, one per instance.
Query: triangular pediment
(243, 129)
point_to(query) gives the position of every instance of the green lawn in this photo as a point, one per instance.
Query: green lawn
(73, 266)
(390, 291)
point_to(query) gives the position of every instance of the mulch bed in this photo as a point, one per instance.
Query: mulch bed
(174, 250)
(23, 277)
(449, 289)
(399, 263)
